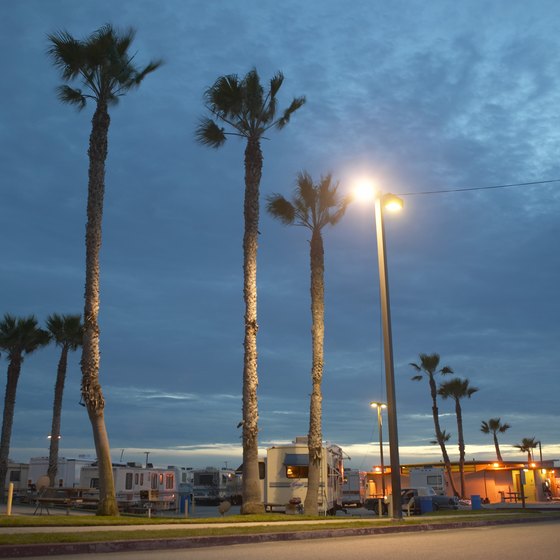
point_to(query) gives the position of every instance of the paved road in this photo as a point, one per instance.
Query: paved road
(539, 541)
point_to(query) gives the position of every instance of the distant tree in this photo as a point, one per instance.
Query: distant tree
(313, 207)
(458, 389)
(444, 435)
(495, 426)
(428, 367)
(249, 112)
(18, 336)
(104, 66)
(526, 446)
(67, 332)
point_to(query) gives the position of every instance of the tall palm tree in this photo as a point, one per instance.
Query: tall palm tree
(526, 446)
(428, 367)
(18, 336)
(249, 112)
(104, 66)
(313, 207)
(458, 389)
(495, 426)
(67, 332)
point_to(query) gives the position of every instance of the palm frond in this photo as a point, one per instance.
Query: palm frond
(72, 96)
(417, 377)
(281, 209)
(208, 133)
(225, 96)
(296, 103)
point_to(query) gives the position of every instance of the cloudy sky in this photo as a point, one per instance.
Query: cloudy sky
(420, 96)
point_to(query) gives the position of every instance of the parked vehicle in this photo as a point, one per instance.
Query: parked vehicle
(287, 468)
(354, 488)
(212, 486)
(411, 497)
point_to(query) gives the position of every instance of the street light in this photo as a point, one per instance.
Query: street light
(390, 202)
(379, 406)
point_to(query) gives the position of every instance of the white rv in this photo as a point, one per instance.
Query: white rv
(354, 488)
(136, 485)
(68, 471)
(286, 476)
(428, 476)
(212, 486)
(18, 475)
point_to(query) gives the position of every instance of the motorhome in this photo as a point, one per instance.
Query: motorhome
(287, 468)
(212, 486)
(428, 476)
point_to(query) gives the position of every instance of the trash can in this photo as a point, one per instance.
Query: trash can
(476, 502)
(426, 505)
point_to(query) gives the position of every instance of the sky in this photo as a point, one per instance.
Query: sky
(418, 96)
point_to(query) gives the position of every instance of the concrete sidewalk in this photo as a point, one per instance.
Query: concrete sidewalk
(375, 526)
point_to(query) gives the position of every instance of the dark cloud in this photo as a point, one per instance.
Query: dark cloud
(422, 97)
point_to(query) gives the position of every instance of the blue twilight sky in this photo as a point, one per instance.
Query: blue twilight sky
(421, 96)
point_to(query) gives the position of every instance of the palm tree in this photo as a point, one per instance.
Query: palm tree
(18, 336)
(526, 446)
(444, 435)
(495, 426)
(313, 207)
(104, 66)
(428, 366)
(67, 332)
(249, 113)
(458, 389)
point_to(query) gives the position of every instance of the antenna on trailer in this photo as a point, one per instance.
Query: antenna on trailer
(147, 453)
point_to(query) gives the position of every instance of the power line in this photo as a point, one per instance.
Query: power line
(482, 188)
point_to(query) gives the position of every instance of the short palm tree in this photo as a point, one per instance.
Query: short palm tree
(495, 426)
(458, 389)
(313, 207)
(248, 112)
(104, 66)
(428, 367)
(67, 332)
(526, 446)
(18, 336)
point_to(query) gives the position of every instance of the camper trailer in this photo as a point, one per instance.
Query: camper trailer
(139, 486)
(18, 475)
(286, 476)
(428, 476)
(212, 486)
(68, 470)
(354, 488)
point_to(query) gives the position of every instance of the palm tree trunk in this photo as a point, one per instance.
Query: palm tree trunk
(14, 368)
(461, 441)
(91, 389)
(252, 501)
(315, 438)
(497, 446)
(57, 411)
(439, 436)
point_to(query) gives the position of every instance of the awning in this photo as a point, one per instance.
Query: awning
(296, 459)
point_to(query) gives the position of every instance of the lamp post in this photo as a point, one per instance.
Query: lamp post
(390, 202)
(379, 406)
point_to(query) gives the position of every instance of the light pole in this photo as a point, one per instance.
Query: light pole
(390, 202)
(379, 406)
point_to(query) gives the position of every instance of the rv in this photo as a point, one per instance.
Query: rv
(67, 473)
(428, 476)
(354, 488)
(212, 486)
(286, 476)
(138, 486)
(18, 475)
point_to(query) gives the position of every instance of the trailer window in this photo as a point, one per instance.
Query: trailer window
(128, 481)
(296, 471)
(262, 473)
(141, 479)
(169, 481)
(15, 476)
(94, 483)
(154, 481)
(136, 478)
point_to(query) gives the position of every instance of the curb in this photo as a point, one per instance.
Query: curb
(44, 550)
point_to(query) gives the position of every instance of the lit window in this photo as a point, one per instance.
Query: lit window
(297, 471)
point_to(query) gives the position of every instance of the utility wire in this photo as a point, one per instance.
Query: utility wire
(481, 188)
